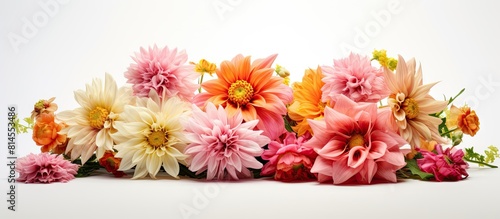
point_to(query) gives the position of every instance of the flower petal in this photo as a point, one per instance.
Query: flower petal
(342, 172)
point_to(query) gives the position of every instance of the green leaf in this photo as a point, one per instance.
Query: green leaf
(415, 170)
(21, 128)
(288, 123)
(88, 168)
(474, 157)
(184, 171)
(470, 154)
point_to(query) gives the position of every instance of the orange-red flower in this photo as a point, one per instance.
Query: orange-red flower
(45, 133)
(307, 102)
(463, 118)
(251, 89)
(111, 163)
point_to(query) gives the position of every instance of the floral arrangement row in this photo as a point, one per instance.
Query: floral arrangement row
(359, 121)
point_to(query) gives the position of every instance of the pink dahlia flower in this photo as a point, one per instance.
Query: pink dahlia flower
(354, 146)
(445, 165)
(163, 70)
(355, 78)
(223, 145)
(45, 168)
(289, 160)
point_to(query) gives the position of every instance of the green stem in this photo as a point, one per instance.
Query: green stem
(449, 102)
(402, 172)
(456, 96)
(448, 132)
(480, 163)
(199, 82)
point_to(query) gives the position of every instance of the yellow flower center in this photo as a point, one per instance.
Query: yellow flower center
(157, 138)
(240, 92)
(97, 117)
(356, 140)
(40, 105)
(321, 106)
(410, 107)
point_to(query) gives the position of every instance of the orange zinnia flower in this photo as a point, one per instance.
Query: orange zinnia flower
(307, 102)
(252, 89)
(412, 105)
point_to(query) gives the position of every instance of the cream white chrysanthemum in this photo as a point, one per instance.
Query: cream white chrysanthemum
(89, 126)
(151, 136)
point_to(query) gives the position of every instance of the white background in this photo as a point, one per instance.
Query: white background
(456, 42)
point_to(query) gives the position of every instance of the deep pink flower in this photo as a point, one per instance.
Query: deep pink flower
(289, 160)
(355, 78)
(353, 145)
(45, 168)
(445, 165)
(162, 70)
(223, 145)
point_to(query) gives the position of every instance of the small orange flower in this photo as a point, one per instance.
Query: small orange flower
(43, 106)
(428, 145)
(463, 118)
(111, 163)
(45, 133)
(424, 145)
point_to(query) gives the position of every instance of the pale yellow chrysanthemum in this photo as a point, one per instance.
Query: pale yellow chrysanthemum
(412, 105)
(89, 127)
(151, 136)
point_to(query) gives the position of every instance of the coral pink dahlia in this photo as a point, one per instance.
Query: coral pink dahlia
(223, 145)
(354, 146)
(355, 78)
(45, 168)
(163, 70)
(289, 160)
